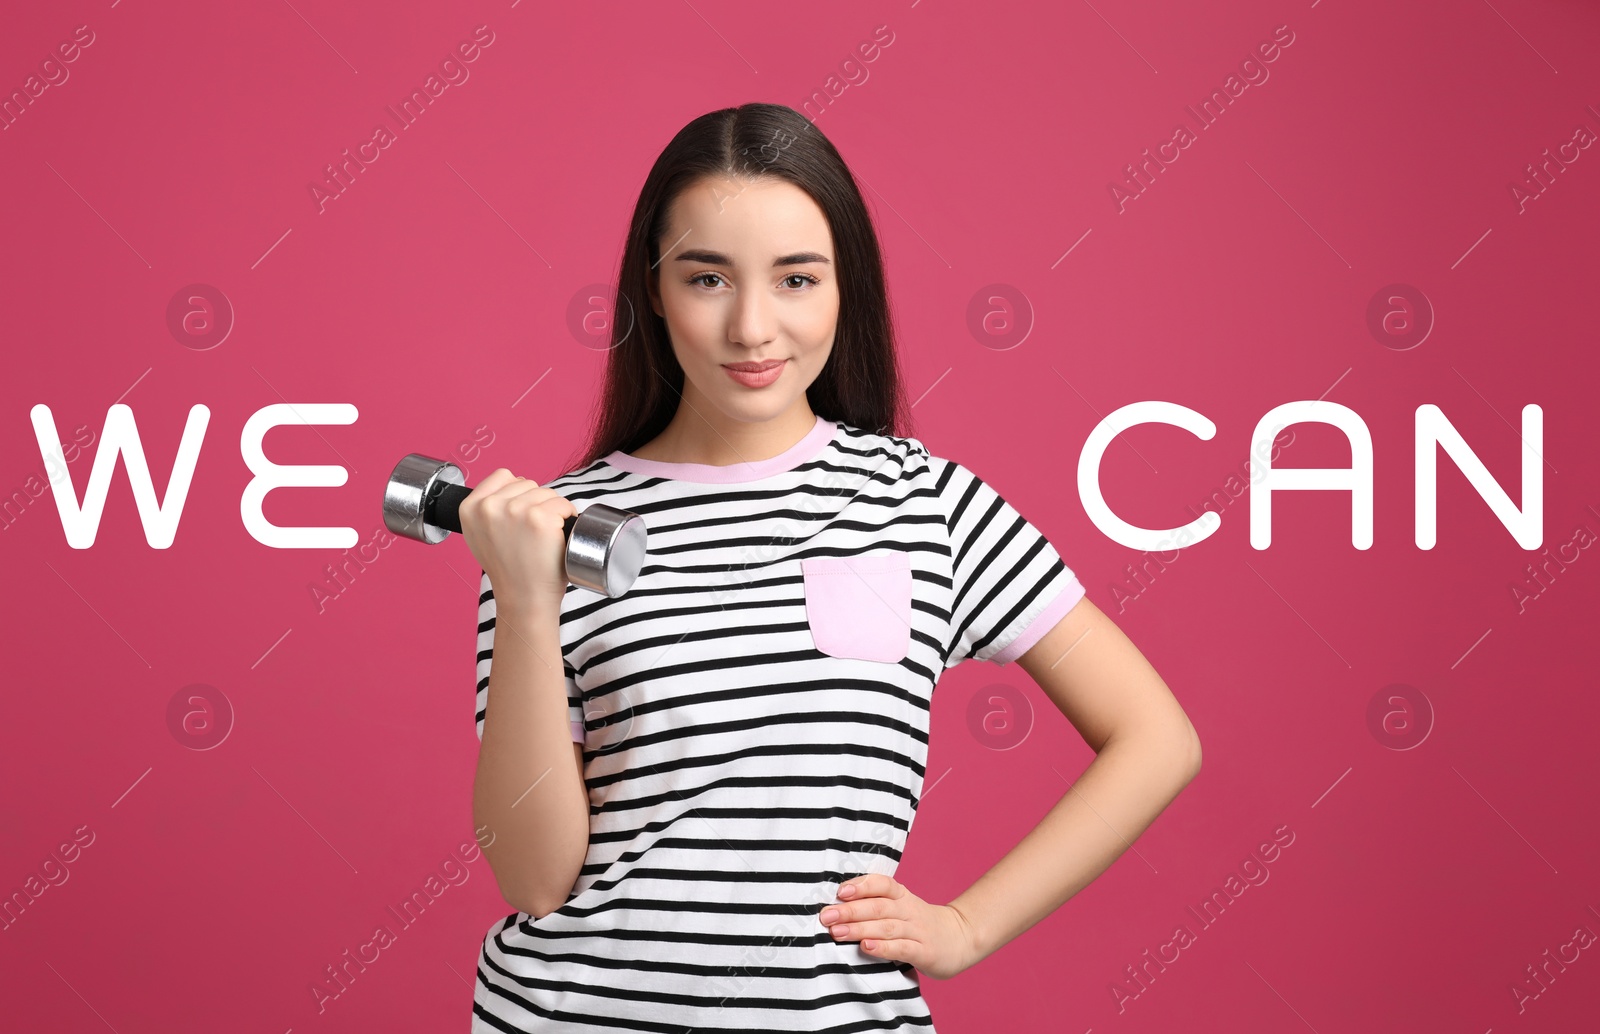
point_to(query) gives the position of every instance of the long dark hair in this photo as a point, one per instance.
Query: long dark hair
(860, 383)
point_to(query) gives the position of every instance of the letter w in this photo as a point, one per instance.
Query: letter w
(120, 436)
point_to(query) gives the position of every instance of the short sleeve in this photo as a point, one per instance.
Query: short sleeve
(486, 616)
(1010, 585)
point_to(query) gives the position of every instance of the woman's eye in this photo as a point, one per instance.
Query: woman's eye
(796, 281)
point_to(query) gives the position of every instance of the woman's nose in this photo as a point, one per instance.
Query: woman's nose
(751, 323)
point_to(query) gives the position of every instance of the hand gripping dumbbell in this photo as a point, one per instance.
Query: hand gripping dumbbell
(605, 545)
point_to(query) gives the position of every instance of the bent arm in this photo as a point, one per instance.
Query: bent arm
(1146, 753)
(528, 796)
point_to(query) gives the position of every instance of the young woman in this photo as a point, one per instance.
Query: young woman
(716, 849)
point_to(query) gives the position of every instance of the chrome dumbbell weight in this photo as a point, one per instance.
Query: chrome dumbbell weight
(605, 545)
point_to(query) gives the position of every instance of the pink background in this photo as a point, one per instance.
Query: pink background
(220, 883)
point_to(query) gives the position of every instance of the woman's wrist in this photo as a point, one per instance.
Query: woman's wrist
(537, 613)
(976, 949)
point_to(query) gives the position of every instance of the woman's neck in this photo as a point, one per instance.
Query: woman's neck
(691, 438)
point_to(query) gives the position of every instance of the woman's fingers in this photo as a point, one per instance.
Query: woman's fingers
(887, 928)
(873, 896)
(517, 489)
(873, 883)
(499, 490)
(494, 495)
(494, 480)
(898, 950)
(513, 526)
(540, 508)
(888, 921)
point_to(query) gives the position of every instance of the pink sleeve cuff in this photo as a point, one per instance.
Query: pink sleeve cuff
(577, 732)
(1046, 619)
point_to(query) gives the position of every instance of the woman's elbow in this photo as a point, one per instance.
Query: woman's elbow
(535, 907)
(1191, 752)
(535, 910)
(531, 900)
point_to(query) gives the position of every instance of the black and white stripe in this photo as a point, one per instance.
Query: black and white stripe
(736, 773)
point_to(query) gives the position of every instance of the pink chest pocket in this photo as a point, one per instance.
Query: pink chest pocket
(859, 606)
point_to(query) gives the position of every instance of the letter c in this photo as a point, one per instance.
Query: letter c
(1094, 501)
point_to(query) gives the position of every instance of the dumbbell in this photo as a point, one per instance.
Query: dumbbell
(605, 545)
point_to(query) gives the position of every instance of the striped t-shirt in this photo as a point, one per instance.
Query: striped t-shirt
(754, 714)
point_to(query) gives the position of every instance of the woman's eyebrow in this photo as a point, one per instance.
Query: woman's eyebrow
(717, 258)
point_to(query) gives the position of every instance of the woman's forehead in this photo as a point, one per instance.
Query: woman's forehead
(750, 221)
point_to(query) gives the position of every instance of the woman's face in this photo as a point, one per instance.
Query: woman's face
(747, 275)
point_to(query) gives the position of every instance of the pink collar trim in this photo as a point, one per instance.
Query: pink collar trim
(806, 448)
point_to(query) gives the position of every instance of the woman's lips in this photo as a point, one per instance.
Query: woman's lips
(757, 378)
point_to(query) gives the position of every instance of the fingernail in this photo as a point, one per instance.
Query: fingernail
(829, 915)
(847, 891)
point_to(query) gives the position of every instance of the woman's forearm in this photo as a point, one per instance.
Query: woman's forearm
(1121, 792)
(528, 796)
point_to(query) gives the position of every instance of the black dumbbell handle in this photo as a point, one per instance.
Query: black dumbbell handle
(442, 507)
